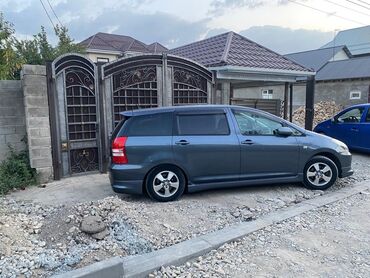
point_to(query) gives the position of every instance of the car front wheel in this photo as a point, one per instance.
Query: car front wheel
(165, 183)
(320, 173)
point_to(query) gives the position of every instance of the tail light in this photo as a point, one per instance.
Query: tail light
(118, 150)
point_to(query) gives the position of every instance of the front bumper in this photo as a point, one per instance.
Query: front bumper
(346, 163)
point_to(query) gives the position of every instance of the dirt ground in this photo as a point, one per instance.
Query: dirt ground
(333, 241)
(39, 227)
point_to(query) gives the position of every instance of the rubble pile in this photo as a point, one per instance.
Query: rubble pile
(323, 111)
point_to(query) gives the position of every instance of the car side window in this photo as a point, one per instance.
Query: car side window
(149, 125)
(367, 119)
(351, 116)
(202, 124)
(253, 124)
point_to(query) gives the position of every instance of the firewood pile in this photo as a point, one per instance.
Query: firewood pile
(323, 111)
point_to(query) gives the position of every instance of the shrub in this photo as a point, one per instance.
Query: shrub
(16, 172)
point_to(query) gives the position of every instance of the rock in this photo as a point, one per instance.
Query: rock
(101, 235)
(92, 225)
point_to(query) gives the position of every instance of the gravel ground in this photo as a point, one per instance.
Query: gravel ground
(40, 240)
(332, 241)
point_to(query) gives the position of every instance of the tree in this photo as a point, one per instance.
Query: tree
(14, 53)
(10, 62)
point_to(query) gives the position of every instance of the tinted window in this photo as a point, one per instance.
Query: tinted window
(148, 125)
(254, 124)
(202, 124)
(351, 116)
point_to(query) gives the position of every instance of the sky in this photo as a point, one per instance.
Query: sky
(284, 26)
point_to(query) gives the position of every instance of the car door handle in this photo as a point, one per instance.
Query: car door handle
(247, 142)
(182, 142)
(354, 129)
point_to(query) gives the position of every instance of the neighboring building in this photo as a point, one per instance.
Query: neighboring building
(340, 77)
(357, 40)
(104, 47)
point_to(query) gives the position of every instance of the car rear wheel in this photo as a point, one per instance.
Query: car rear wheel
(320, 173)
(165, 183)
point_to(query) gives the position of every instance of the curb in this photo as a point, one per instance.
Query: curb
(142, 265)
(108, 268)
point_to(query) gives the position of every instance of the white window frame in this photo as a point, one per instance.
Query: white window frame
(268, 94)
(352, 93)
(102, 59)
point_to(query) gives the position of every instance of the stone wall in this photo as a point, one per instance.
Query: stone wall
(12, 117)
(37, 120)
(324, 91)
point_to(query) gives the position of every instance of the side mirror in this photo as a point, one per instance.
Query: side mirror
(334, 120)
(284, 131)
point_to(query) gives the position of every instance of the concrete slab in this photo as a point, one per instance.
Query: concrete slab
(68, 191)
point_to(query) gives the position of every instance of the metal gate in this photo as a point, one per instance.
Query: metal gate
(77, 114)
(87, 101)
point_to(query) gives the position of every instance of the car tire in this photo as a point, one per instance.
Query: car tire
(165, 183)
(320, 173)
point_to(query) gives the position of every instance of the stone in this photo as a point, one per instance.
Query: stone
(101, 235)
(92, 225)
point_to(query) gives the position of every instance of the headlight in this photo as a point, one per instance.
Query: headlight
(341, 147)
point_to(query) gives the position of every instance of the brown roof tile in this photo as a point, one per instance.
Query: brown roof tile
(233, 49)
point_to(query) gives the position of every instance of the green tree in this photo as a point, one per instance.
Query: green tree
(14, 53)
(10, 61)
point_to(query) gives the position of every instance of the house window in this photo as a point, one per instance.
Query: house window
(267, 94)
(102, 60)
(355, 95)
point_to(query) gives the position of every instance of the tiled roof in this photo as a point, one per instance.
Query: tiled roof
(112, 42)
(232, 49)
(156, 47)
(316, 59)
(345, 69)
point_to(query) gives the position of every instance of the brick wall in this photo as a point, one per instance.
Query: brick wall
(37, 120)
(12, 117)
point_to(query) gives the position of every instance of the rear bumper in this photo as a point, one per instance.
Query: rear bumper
(126, 179)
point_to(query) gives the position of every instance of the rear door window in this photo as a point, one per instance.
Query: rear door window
(159, 124)
(202, 124)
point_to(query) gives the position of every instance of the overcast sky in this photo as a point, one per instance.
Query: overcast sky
(281, 25)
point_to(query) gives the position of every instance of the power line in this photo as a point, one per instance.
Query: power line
(51, 21)
(334, 3)
(362, 6)
(327, 13)
(54, 13)
(363, 2)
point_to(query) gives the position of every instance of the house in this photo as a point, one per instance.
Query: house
(104, 47)
(357, 40)
(241, 66)
(238, 64)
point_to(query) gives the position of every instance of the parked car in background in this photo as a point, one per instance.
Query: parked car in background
(167, 151)
(351, 126)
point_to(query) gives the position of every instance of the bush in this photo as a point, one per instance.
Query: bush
(16, 172)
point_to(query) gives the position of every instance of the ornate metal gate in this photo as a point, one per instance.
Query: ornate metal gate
(77, 114)
(87, 101)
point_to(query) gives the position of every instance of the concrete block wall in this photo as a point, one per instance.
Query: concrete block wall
(12, 117)
(37, 120)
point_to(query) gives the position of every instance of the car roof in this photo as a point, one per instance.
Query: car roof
(184, 108)
(358, 105)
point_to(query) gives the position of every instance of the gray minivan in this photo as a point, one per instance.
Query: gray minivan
(165, 152)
